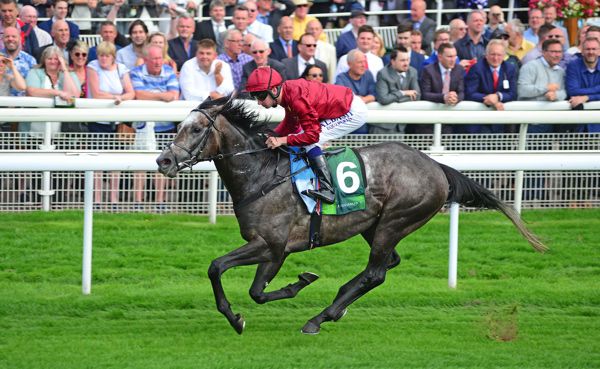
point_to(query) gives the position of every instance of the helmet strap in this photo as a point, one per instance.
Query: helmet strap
(275, 95)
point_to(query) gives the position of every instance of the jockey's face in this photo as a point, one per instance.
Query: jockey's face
(268, 101)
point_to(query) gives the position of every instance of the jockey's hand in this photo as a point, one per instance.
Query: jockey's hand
(274, 142)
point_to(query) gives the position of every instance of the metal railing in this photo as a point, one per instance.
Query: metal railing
(188, 193)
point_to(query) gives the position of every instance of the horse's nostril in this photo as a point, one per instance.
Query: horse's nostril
(164, 162)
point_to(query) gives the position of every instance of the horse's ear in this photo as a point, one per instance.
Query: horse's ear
(228, 101)
(231, 97)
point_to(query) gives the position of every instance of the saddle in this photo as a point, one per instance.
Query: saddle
(348, 179)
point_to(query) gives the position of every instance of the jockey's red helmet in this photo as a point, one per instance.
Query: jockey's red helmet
(263, 79)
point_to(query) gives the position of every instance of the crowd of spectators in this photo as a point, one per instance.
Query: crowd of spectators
(481, 58)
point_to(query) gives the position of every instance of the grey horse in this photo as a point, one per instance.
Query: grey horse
(405, 188)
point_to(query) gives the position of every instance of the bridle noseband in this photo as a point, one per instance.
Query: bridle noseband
(194, 157)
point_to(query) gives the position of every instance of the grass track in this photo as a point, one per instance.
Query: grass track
(152, 306)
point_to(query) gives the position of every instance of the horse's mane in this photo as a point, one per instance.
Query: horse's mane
(238, 114)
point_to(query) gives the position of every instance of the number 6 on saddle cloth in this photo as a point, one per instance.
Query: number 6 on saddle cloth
(348, 180)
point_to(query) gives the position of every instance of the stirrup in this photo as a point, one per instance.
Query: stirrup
(317, 195)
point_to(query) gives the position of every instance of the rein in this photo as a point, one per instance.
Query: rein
(194, 158)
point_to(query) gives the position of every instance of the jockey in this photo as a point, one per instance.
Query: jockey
(315, 113)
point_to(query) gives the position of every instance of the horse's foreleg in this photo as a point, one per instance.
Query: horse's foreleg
(255, 251)
(371, 277)
(265, 272)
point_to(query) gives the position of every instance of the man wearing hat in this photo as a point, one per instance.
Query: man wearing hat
(300, 19)
(347, 40)
(315, 113)
(502, 35)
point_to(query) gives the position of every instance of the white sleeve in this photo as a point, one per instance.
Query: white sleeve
(191, 88)
(226, 86)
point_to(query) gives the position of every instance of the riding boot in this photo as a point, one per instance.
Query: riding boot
(325, 192)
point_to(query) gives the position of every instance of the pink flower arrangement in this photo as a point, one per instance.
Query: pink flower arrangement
(569, 8)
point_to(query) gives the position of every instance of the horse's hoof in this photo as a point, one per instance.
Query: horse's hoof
(311, 328)
(341, 315)
(239, 324)
(308, 277)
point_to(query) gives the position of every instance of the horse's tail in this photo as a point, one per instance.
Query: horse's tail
(467, 192)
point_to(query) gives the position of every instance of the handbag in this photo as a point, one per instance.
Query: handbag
(125, 133)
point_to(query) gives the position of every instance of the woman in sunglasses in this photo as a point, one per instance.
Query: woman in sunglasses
(315, 113)
(312, 72)
(78, 57)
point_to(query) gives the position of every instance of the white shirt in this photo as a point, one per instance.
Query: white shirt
(375, 65)
(264, 31)
(43, 37)
(218, 27)
(302, 63)
(443, 70)
(196, 84)
(326, 53)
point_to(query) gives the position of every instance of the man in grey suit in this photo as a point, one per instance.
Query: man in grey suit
(396, 83)
(307, 45)
(421, 22)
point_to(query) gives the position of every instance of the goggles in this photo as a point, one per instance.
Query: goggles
(259, 95)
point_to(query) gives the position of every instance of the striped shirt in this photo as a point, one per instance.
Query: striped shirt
(165, 81)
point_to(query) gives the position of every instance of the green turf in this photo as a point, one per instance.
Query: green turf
(152, 306)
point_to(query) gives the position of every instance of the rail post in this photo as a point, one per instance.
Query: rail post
(453, 255)
(88, 220)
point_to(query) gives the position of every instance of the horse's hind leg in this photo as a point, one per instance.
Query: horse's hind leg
(371, 277)
(265, 272)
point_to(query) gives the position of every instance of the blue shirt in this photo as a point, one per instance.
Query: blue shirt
(127, 56)
(164, 82)
(93, 55)
(263, 18)
(24, 62)
(530, 36)
(580, 81)
(364, 86)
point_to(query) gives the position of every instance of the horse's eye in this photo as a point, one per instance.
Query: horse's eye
(197, 129)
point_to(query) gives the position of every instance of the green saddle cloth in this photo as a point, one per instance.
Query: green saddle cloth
(347, 174)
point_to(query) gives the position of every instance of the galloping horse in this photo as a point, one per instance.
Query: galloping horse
(405, 188)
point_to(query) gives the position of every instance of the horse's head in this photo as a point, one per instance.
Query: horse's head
(197, 138)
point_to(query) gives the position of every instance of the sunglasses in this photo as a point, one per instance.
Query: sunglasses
(309, 45)
(554, 36)
(503, 37)
(302, 6)
(259, 95)
(316, 75)
(258, 51)
(80, 55)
